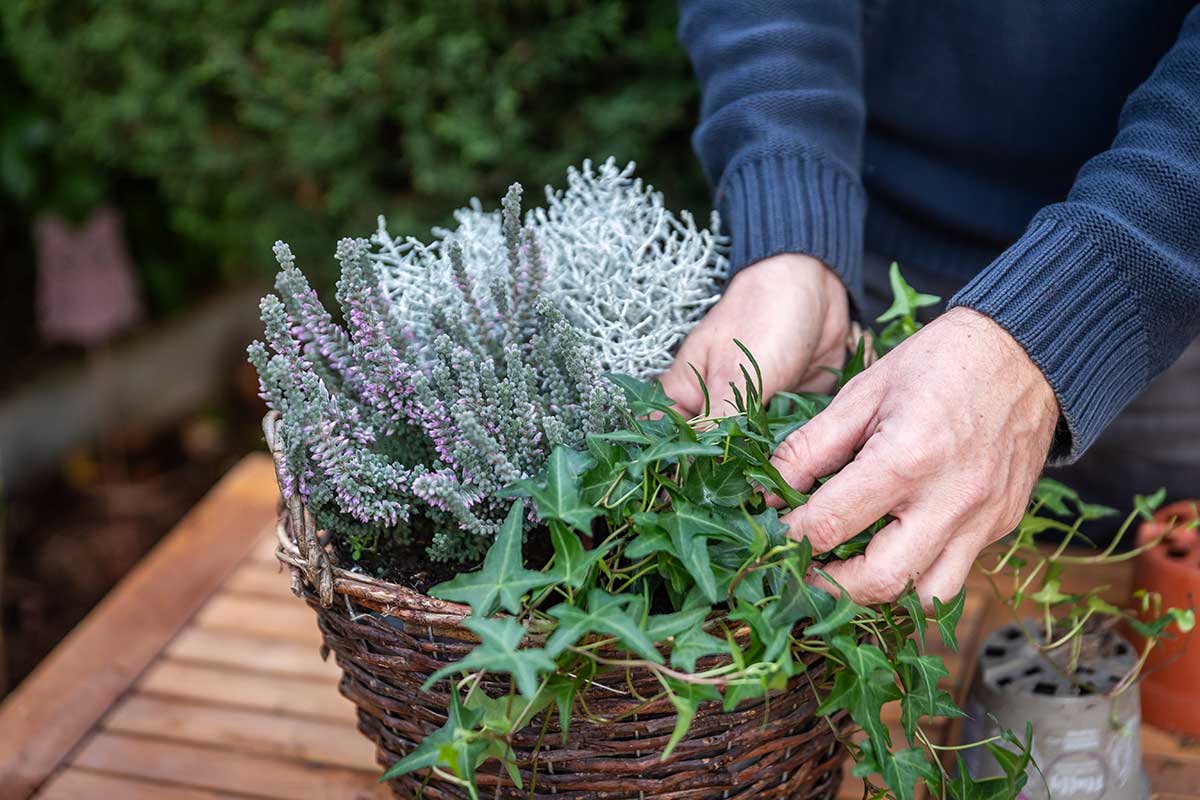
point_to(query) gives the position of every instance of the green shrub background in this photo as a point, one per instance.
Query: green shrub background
(258, 120)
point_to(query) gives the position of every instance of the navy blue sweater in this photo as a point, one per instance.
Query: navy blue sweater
(1044, 154)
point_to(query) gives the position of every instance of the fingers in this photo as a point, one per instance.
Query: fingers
(949, 572)
(827, 442)
(848, 503)
(905, 550)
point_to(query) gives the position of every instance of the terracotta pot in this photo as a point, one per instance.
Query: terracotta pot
(1170, 684)
(1086, 742)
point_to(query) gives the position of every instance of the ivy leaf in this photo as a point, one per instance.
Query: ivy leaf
(1091, 511)
(920, 675)
(692, 645)
(502, 580)
(831, 616)
(911, 603)
(946, 617)
(766, 475)
(963, 787)
(429, 753)
(644, 397)
(1049, 594)
(863, 688)
(668, 450)
(718, 484)
(499, 650)
(900, 771)
(686, 697)
(801, 601)
(650, 538)
(856, 545)
(661, 626)
(571, 562)
(558, 497)
(628, 437)
(689, 528)
(1053, 495)
(905, 299)
(606, 614)
(1146, 505)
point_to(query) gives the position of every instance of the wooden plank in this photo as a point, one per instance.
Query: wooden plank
(246, 731)
(255, 579)
(242, 651)
(82, 784)
(1168, 774)
(285, 618)
(226, 770)
(51, 711)
(1156, 741)
(223, 686)
(264, 552)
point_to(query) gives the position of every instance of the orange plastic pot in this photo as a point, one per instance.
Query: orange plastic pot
(1170, 685)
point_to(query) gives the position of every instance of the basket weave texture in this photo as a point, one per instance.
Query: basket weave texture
(388, 639)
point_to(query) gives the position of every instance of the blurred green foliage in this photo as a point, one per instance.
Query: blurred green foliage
(261, 120)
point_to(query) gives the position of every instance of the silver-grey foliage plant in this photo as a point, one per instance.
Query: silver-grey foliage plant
(459, 364)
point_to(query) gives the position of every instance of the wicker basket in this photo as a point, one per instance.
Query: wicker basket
(388, 639)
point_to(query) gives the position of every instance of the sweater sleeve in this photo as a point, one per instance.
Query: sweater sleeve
(781, 125)
(1103, 290)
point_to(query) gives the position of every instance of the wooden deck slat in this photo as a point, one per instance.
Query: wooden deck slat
(285, 618)
(226, 770)
(52, 710)
(298, 738)
(82, 784)
(231, 649)
(1170, 774)
(223, 686)
(255, 579)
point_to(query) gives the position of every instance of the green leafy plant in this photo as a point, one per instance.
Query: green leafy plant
(1027, 572)
(667, 558)
(255, 117)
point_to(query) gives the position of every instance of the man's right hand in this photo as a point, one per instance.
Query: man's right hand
(791, 312)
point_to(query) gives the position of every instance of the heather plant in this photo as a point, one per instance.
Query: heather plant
(458, 365)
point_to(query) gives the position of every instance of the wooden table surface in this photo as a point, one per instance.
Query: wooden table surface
(199, 677)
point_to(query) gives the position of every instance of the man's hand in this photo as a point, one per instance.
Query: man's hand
(947, 433)
(790, 311)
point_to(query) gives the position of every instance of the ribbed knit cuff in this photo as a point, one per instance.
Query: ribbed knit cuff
(795, 204)
(1069, 307)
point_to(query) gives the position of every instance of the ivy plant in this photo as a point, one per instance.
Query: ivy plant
(1027, 573)
(665, 551)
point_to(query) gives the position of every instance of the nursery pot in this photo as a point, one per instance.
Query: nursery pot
(1172, 569)
(1087, 744)
(389, 639)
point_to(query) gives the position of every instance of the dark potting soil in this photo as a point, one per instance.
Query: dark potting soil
(407, 563)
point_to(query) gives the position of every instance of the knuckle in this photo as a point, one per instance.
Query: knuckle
(794, 449)
(887, 584)
(823, 529)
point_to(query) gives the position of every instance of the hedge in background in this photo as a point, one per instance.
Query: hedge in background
(303, 120)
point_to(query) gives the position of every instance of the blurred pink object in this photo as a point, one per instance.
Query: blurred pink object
(86, 290)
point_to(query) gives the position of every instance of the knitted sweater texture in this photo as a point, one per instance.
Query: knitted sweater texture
(1045, 155)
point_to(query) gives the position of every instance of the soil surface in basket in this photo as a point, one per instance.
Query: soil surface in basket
(409, 565)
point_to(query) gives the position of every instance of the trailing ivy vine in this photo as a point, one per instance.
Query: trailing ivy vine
(665, 552)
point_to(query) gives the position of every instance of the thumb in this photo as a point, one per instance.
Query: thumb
(829, 440)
